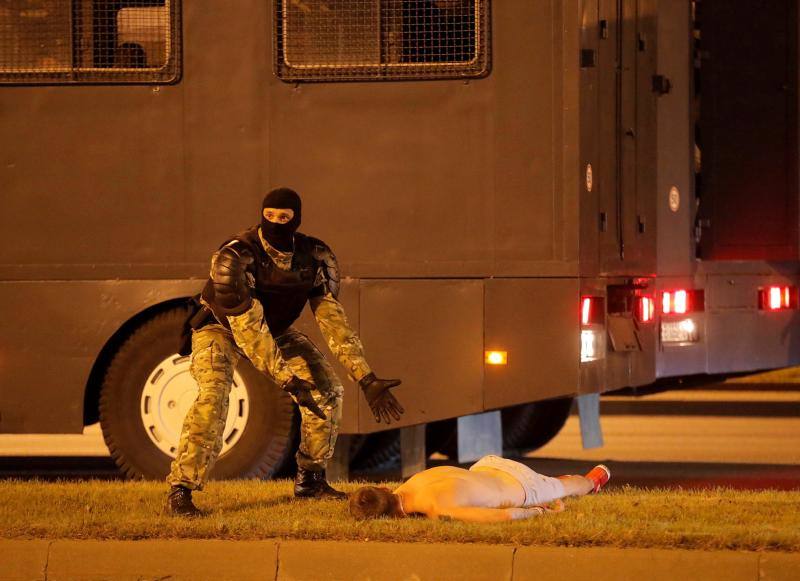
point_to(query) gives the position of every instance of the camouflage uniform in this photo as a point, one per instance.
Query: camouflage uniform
(215, 353)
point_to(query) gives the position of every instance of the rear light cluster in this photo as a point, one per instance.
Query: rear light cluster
(681, 302)
(677, 325)
(777, 298)
(645, 309)
(593, 332)
(592, 311)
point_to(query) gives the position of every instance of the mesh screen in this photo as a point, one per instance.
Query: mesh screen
(380, 39)
(49, 41)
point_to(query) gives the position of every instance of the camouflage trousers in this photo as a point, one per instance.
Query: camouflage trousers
(214, 358)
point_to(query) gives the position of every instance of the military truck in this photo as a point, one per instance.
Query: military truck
(531, 200)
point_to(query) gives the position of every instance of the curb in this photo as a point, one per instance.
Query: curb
(332, 560)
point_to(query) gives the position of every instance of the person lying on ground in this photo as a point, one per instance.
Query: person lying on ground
(493, 489)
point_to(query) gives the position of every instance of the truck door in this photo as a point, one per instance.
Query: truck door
(625, 126)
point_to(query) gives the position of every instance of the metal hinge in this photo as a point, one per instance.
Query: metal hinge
(588, 58)
(661, 84)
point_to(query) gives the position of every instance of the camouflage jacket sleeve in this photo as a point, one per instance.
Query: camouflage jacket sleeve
(342, 340)
(252, 335)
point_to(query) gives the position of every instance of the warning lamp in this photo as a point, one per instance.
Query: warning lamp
(645, 309)
(777, 298)
(682, 301)
(497, 357)
(592, 311)
(593, 333)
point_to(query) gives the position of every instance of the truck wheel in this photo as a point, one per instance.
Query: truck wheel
(147, 391)
(532, 425)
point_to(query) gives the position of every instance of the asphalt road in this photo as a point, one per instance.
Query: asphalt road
(739, 436)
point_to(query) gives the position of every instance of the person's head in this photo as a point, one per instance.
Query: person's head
(280, 217)
(130, 55)
(374, 502)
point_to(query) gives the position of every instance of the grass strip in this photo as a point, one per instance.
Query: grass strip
(782, 376)
(247, 509)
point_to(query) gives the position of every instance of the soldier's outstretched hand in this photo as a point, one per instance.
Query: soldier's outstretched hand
(383, 404)
(300, 390)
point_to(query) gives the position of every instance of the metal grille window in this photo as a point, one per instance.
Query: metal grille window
(334, 40)
(89, 41)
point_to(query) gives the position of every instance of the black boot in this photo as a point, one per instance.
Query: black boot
(312, 484)
(179, 502)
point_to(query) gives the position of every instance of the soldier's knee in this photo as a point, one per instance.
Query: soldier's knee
(333, 396)
(213, 347)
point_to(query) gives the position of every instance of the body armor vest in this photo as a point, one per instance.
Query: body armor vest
(282, 293)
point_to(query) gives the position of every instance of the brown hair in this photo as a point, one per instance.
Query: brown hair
(373, 502)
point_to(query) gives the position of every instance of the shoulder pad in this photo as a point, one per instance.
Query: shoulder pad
(241, 244)
(246, 238)
(229, 254)
(241, 252)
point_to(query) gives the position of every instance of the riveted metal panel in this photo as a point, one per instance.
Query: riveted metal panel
(624, 169)
(747, 340)
(675, 144)
(52, 333)
(429, 333)
(640, 220)
(424, 163)
(73, 188)
(590, 168)
(606, 174)
(537, 323)
(734, 291)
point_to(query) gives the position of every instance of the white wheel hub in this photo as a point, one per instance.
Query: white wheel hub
(169, 393)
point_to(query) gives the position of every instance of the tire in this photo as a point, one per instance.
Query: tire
(141, 430)
(532, 425)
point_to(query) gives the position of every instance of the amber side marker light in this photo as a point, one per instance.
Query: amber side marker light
(497, 357)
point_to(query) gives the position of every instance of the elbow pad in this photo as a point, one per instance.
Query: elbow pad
(328, 276)
(229, 279)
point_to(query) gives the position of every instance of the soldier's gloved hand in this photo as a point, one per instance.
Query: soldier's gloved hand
(300, 389)
(383, 404)
(228, 275)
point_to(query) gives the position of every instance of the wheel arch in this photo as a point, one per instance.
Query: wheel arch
(91, 394)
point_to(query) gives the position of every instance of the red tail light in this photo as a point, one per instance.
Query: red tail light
(645, 309)
(592, 311)
(681, 302)
(777, 298)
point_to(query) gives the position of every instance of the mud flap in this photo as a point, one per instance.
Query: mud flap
(339, 465)
(589, 413)
(479, 435)
(412, 450)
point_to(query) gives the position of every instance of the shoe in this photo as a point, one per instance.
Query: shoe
(179, 502)
(599, 475)
(312, 484)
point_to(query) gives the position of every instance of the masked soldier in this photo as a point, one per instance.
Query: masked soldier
(260, 281)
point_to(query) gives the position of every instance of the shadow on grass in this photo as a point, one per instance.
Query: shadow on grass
(235, 507)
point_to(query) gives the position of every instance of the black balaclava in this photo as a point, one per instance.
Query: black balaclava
(281, 236)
